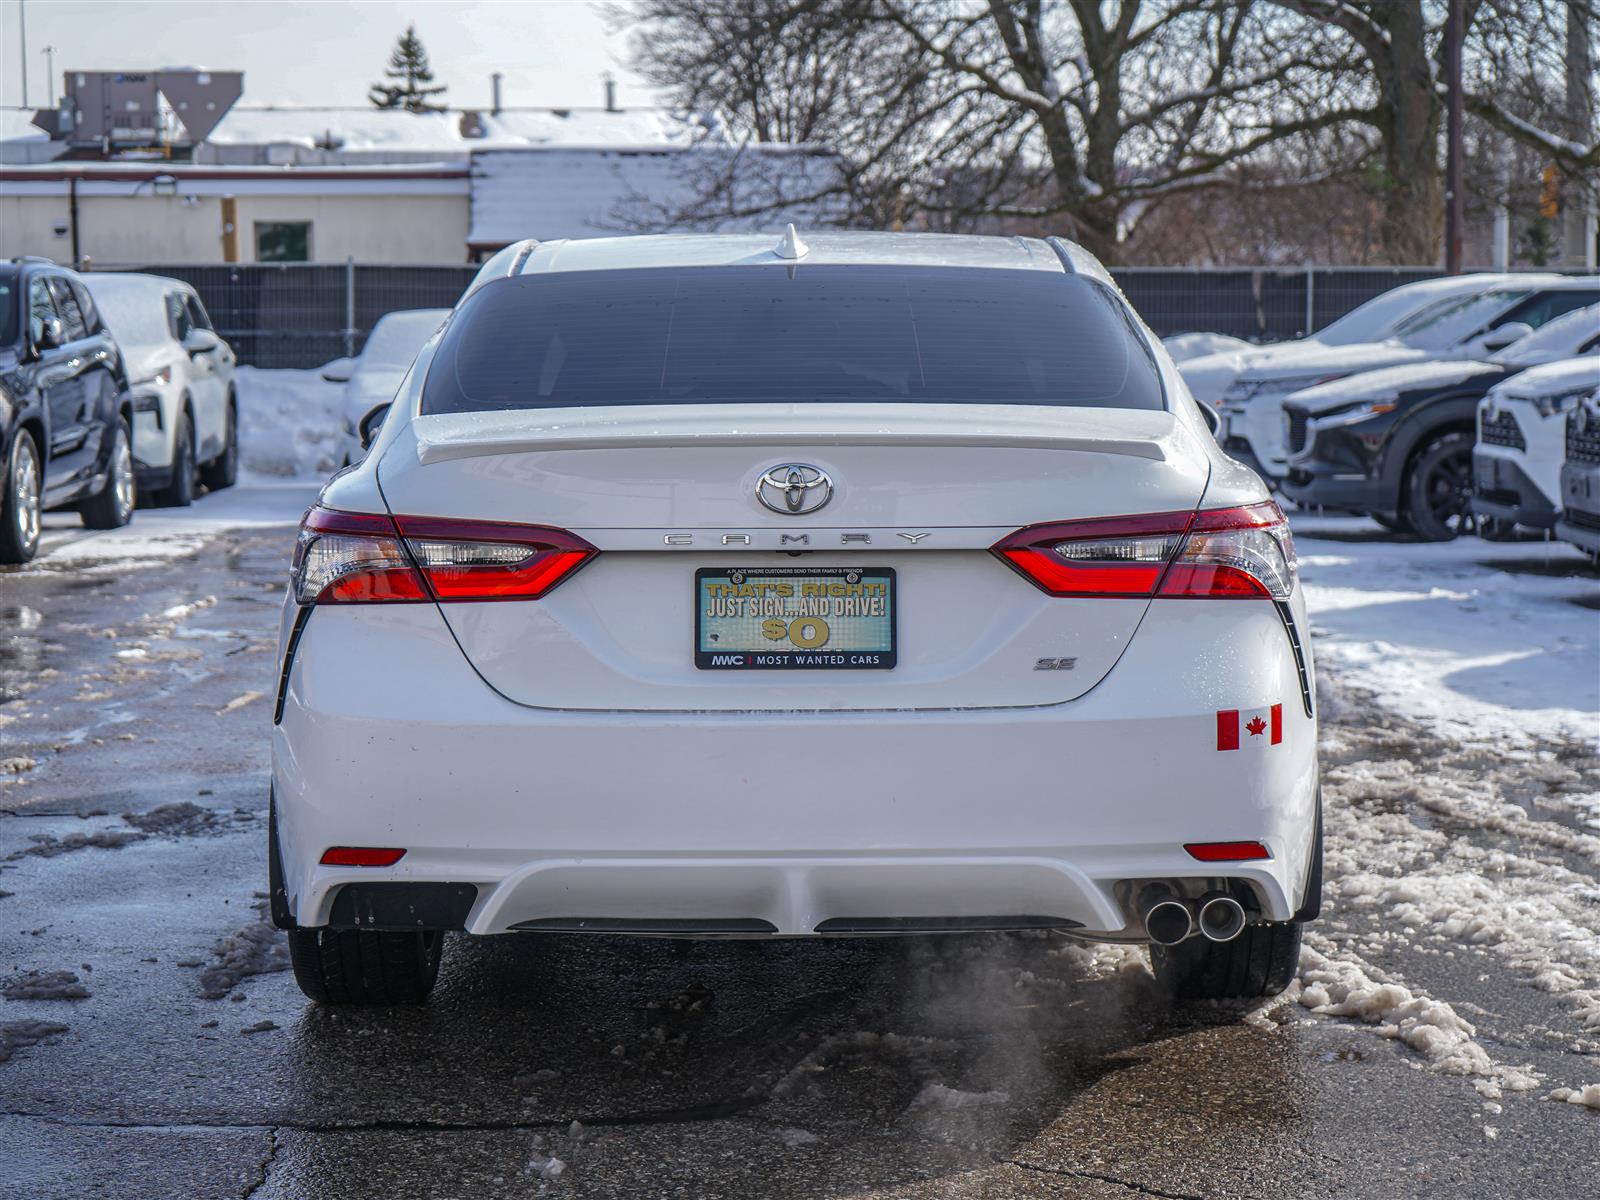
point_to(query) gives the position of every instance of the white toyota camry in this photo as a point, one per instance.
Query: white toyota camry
(840, 584)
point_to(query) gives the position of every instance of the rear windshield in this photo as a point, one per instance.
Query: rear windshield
(791, 335)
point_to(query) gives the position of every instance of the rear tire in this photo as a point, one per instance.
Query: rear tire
(358, 966)
(223, 471)
(1260, 962)
(112, 506)
(180, 492)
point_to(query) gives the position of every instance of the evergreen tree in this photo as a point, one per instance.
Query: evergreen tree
(408, 66)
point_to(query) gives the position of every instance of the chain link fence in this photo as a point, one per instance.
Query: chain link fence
(303, 314)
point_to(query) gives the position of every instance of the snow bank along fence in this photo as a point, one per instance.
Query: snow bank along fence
(303, 314)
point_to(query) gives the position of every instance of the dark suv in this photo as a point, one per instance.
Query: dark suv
(65, 416)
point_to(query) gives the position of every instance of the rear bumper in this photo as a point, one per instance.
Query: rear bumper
(791, 823)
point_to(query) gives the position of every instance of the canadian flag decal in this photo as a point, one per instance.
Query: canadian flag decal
(1249, 728)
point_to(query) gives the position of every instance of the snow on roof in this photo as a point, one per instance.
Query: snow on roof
(16, 125)
(378, 129)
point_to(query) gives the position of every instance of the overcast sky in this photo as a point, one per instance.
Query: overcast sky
(552, 52)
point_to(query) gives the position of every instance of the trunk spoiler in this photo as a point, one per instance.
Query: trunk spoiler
(1130, 434)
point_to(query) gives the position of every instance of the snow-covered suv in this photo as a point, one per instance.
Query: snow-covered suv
(185, 409)
(1469, 327)
(1579, 522)
(1516, 464)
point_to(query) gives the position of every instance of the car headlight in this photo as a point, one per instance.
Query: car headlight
(1246, 390)
(1549, 406)
(1349, 414)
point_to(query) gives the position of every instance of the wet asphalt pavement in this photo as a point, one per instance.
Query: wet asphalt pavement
(134, 714)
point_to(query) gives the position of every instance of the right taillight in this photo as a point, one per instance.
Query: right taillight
(369, 558)
(1229, 553)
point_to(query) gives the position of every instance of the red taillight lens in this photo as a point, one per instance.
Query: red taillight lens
(1238, 553)
(1226, 851)
(361, 856)
(489, 560)
(368, 558)
(1121, 556)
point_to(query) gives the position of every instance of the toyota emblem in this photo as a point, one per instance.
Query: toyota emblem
(794, 489)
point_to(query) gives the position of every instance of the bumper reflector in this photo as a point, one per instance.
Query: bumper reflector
(1226, 851)
(361, 856)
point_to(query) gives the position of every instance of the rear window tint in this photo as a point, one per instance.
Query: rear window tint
(791, 335)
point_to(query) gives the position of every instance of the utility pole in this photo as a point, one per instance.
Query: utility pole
(1453, 207)
(1577, 216)
(22, 36)
(50, 72)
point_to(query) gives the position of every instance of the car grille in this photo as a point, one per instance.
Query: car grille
(1576, 516)
(1503, 431)
(1583, 445)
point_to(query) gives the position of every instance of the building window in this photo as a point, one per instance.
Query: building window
(283, 241)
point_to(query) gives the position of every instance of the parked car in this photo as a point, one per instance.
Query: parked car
(1186, 346)
(1579, 522)
(1469, 327)
(372, 377)
(1398, 443)
(65, 416)
(1210, 376)
(185, 406)
(1516, 465)
(656, 514)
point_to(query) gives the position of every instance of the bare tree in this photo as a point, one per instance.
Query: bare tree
(949, 114)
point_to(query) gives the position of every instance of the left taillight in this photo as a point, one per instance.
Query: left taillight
(367, 558)
(1229, 553)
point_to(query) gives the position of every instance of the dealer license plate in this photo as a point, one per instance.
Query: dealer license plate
(816, 618)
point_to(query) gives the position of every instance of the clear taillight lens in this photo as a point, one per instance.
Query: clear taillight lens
(365, 558)
(1235, 552)
(352, 558)
(1217, 554)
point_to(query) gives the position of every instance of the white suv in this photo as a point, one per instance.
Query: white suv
(706, 586)
(372, 377)
(1516, 463)
(1579, 520)
(185, 408)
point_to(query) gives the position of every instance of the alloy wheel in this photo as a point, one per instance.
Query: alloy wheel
(25, 494)
(1448, 491)
(122, 474)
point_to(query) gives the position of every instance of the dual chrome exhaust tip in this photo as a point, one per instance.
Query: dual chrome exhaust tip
(1216, 916)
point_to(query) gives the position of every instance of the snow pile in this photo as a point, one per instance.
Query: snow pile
(289, 422)
(45, 985)
(17, 1034)
(1450, 635)
(182, 819)
(257, 949)
(1341, 987)
(1588, 1096)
